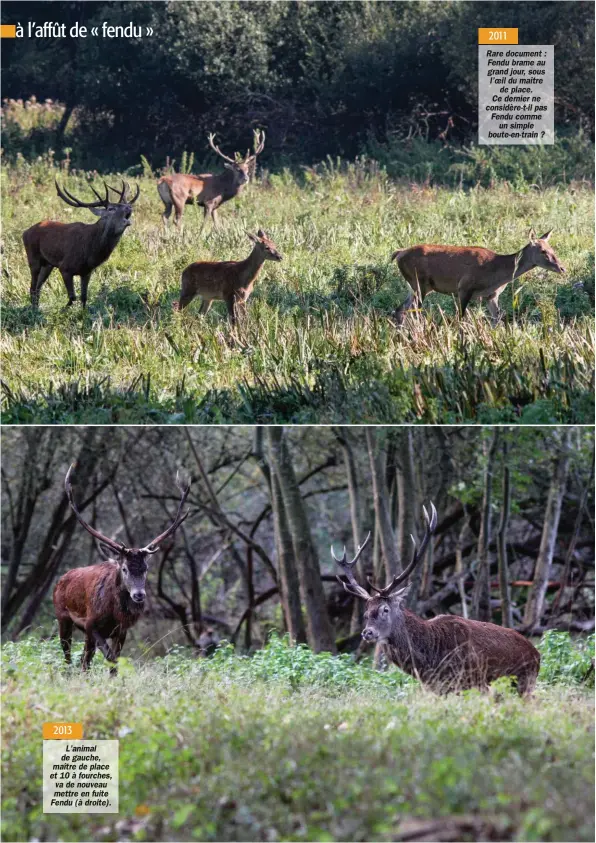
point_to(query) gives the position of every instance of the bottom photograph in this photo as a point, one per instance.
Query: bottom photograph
(297, 633)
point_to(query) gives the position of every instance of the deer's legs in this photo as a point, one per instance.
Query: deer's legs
(205, 305)
(39, 275)
(232, 306)
(167, 211)
(94, 639)
(215, 218)
(179, 210)
(118, 644)
(65, 626)
(68, 279)
(465, 297)
(187, 293)
(88, 652)
(84, 287)
(493, 307)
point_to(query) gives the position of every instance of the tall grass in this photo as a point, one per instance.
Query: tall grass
(289, 745)
(319, 344)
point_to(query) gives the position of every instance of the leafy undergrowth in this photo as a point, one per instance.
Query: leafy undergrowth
(291, 745)
(319, 344)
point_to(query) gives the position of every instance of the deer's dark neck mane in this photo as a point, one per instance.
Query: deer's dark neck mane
(125, 610)
(413, 645)
(103, 241)
(228, 186)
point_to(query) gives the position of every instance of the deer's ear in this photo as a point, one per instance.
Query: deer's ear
(547, 235)
(532, 236)
(400, 595)
(252, 237)
(105, 551)
(229, 166)
(99, 212)
(261, 233)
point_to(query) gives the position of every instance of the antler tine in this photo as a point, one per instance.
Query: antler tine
(153, 546)
(347, 567)
(120, 192)
(215, 148)
(259, 143)
(73, 201)
(136, 196)
(431, 524)
(116, 546)
(101, 198)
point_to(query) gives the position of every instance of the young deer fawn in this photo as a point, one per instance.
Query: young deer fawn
(229, 281)
(471, 272)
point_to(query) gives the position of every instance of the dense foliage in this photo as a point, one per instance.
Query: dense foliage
(321, 78)
(241, 749)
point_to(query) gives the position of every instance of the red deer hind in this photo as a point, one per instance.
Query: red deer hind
(77, 248)
(105, 600)
(229, 281)
(470, 271)
(209, 190)
(446, 653)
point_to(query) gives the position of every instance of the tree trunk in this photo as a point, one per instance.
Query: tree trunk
(288, 574)
(506, 618)
(318, 627)
(481, 610)
(535, 604)
(344, 438)
(377, 456)
(408, 511)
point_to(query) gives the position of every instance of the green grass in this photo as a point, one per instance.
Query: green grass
(289, 745)
(318, 345)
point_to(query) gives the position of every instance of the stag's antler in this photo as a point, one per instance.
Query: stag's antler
(258, 143)
(78, 203)
(118, 547)
(352, 586)
(431, 524)
(210, 138)
(123, 194)
(153, 546)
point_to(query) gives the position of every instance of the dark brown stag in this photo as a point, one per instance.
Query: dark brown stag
(207, 189)
(446, 653)
(105, 600)
(77, 248)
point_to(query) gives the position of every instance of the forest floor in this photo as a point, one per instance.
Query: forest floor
(292, 746)
(318, 344)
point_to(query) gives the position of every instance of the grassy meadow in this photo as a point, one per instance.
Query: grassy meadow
(319, 344)
(295, 746)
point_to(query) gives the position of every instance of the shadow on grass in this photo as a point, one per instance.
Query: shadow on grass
(473, 391)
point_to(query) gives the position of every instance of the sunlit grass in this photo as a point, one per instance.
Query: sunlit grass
(319, 343)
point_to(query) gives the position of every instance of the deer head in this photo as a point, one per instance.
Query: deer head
(117, 215)
(384, 608)
(541, 254)
(265, 246)
(241, 168)
(132, 561)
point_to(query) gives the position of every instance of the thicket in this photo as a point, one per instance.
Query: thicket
(322, 78)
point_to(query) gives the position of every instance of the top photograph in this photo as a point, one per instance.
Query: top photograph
(297, 213)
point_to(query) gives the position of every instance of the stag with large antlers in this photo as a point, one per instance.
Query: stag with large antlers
(446, 653)
(105, 600)
(77, 248)
(207, 189)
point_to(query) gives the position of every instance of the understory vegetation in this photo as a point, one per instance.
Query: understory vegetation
(291, 745)
(319, 344)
